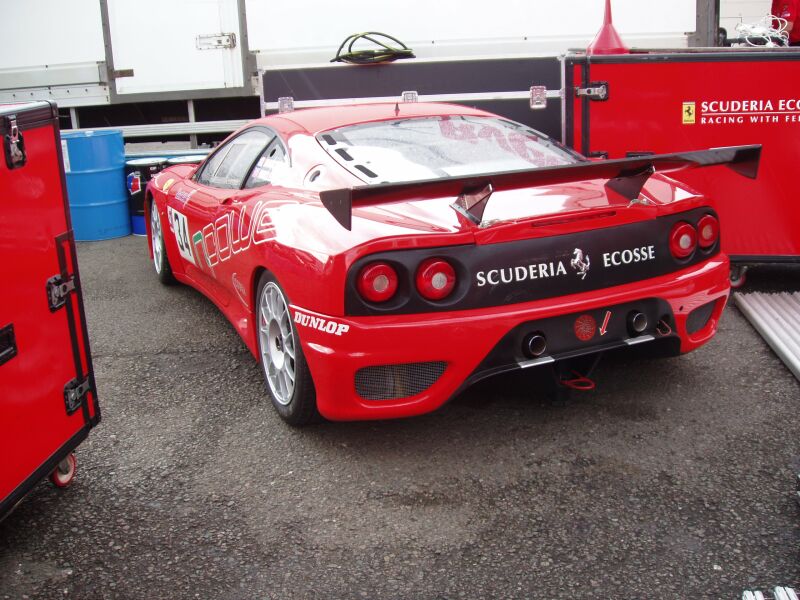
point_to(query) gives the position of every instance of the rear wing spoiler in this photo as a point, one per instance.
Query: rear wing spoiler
(626, 176)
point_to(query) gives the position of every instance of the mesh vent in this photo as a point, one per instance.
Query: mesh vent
(699, 317)
(391, 382)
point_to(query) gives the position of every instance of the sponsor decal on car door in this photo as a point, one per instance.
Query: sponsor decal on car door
(190, 210)
(179, 225)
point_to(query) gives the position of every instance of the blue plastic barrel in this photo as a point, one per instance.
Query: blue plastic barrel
(94, 162)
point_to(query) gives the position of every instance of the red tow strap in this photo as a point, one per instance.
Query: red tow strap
(663, 327)
(579, 383)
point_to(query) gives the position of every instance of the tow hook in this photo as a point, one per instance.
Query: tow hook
(573, 375)
(579, 383)
(663, 328)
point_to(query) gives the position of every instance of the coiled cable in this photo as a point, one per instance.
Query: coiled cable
(385, 52)
(770, 31)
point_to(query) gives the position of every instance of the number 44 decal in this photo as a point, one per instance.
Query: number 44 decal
(180, 227)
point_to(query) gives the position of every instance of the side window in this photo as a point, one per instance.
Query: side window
(265, 168)
(212, 164)
(229, 165)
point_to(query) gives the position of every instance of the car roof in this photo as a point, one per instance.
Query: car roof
(314, 120)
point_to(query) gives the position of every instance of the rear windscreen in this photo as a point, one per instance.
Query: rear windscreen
(436, 147)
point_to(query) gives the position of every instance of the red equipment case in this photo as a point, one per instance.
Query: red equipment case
(47, 391)
(668, 101)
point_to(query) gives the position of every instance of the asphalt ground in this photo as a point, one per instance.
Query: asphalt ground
(674, 479)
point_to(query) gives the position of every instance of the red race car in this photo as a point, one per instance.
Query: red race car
(378, 259)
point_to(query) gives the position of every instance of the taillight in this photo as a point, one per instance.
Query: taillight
(436, 278)
(707, 231)
(682, 239)
(377, 282)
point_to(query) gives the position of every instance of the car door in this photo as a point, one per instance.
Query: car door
(242, 222)
(202, 232)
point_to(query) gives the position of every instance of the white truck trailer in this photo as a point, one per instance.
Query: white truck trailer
(197, 67)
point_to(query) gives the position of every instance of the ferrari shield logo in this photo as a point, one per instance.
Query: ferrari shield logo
(689, 112)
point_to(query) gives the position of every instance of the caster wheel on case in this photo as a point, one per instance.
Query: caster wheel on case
(738, 276)
(64, 473)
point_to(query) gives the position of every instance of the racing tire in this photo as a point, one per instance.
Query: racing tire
(64, 473)
(160, 259)
(280, 354)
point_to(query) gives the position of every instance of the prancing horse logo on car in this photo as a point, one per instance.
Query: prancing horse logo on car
(580, 263)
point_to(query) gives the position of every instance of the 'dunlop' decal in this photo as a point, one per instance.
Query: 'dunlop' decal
(320, 323)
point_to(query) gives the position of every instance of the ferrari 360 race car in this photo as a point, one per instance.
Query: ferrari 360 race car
(378, 259)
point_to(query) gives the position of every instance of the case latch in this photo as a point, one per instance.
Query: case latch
(8, 343)
(14, 144)
(57, 291)
(596, 90)
(74, 393)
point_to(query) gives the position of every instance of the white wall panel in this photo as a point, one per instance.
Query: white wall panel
(157, 39)
(283, 29)
(44, 32)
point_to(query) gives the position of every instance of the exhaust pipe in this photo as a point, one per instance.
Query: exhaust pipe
(535, 344)
(637, 322)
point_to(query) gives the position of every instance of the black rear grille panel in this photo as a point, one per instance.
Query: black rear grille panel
(562, 340)
(503, 273)
(394, 382)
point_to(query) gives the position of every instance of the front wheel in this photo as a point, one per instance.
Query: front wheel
(160, 260)
(281, 356)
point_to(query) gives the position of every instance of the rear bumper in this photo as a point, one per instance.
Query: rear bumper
(337, 348)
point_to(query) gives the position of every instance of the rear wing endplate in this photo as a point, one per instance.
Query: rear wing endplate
(626, 176)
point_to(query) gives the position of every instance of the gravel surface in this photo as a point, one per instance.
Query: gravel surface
(674, 479)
